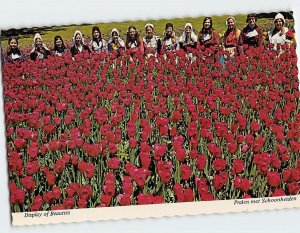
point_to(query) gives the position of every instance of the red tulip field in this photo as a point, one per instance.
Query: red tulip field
(101, 130)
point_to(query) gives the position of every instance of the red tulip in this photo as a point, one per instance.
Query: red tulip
(185, 172)
(273, 179)
(28, 183)
(124, 199)
(219, 164)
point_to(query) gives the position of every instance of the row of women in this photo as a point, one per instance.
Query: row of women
(234, 40)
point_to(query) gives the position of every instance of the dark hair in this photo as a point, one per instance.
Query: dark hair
(96, 28)
(210, 29)
(63, 47)
(251, 15)
(13, 38)
(17, 50)
(114, 32)
(137, 36)
(280, 20)
(275, 30)
(169, 25)
(173, 33)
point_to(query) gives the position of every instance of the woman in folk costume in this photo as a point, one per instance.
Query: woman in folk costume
(133, 41)
(251, 35)
(39, 50)
(78, 44)
(208, 37)
(170, 42)
(115, 43)
(231, 38)
(59, 46)
(280, 34)
(13, 54)
(188, 38)
(98, 44)
(152, 43)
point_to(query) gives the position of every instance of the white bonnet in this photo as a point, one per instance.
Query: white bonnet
(279, 16)
(115, 30)
(150, 25)
(37, 36)
(188, 25)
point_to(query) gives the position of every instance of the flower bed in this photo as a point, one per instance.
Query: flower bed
(104, 131)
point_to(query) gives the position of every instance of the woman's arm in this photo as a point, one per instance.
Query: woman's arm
(260, 37)
(141, 46)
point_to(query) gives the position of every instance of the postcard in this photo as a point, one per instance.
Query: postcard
(151, 118)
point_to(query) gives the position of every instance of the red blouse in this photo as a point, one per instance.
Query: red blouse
(214, 40)
(232, 39)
